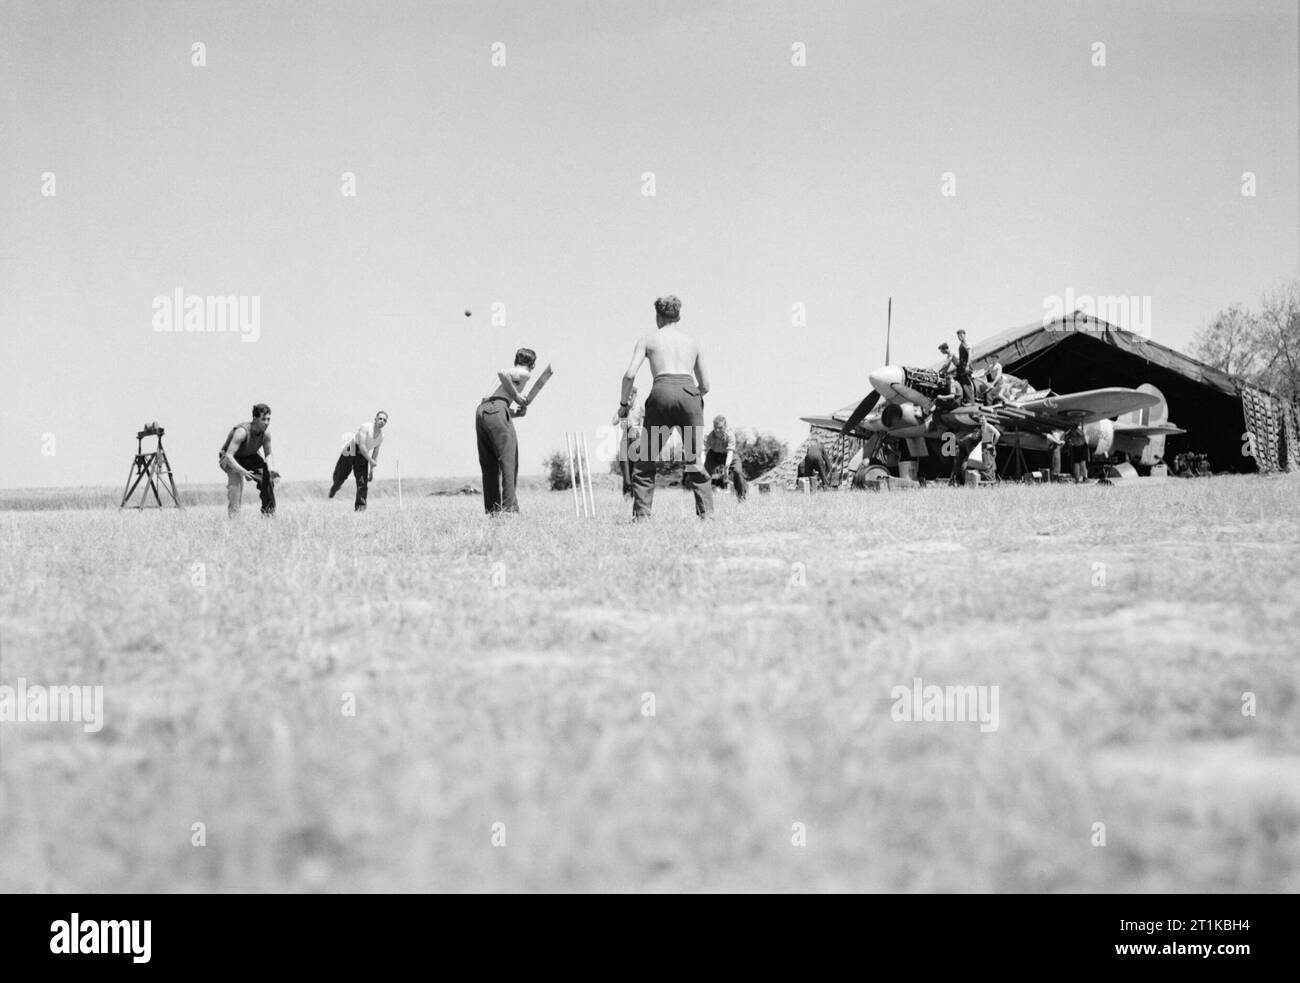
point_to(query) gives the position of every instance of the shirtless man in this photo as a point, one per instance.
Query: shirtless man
(360, 457)
(949, 365)
(498, 447)
(998, 389)
(677, 400)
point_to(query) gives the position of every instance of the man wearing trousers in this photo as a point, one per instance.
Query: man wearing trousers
(815, 464)
(629, 437)
(498, 447)
(720, 456)
(360, 456)
(676, 401)
(245, 455)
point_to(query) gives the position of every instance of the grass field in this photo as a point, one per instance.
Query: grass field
(504, 671)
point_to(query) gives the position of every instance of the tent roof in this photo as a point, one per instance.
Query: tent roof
(1019, 347)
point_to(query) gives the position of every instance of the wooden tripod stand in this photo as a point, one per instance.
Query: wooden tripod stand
(153, 469)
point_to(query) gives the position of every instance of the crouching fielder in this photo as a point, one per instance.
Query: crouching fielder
(360, 456)
(246, 456)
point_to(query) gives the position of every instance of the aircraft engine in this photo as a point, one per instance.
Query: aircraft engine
(902, 414)
(1101, 435)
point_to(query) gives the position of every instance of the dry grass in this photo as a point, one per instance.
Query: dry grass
(499, 669)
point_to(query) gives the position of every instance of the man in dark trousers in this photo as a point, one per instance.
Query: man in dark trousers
(1076, 445)
(815, 463)
(720, 457)
(962, 370)
(629, 436)
(676, 401)
(498, 447)
(245, 455)
(360, 457)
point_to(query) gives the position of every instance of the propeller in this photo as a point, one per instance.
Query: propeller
(869, 403)
(863, 408)
(889, 317)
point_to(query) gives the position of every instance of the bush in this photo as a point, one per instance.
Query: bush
(758, 452)
(557, 472)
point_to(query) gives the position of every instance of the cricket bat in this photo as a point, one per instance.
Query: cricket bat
(538, 383)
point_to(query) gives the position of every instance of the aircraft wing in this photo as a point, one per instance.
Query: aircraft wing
(1153, 431)
(836, 423)
(1159, 430)
(1063, 412)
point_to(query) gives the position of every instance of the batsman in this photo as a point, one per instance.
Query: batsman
(498, 447)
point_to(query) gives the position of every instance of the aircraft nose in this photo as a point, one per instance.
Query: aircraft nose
(885, 378)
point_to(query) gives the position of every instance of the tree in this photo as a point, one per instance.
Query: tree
(758, 453)
(557, 472)
(1263, 348)
(1279, 331)
(1230, 342)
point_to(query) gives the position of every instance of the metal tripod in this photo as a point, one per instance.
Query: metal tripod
(153, 469)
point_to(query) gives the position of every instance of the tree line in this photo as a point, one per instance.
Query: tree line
(1260, 345)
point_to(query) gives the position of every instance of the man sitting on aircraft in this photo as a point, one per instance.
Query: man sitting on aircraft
(949, 365)
(998, 387)
(946, 402)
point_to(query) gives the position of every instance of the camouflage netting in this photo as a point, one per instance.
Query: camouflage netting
(1272, 421)
(838, 454)
(1291, 434)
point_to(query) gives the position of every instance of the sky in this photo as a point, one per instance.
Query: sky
(790, 202)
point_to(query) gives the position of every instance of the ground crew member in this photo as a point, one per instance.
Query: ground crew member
(815, 463)
(961, 372)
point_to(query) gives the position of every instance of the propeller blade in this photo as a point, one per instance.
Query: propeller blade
(889, 320)
(864, 407)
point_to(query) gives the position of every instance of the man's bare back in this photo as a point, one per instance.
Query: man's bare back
(676, 402)
(671, 351)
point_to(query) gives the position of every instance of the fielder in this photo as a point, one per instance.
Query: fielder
(360, 456)
(246, 456)
(676, 401)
